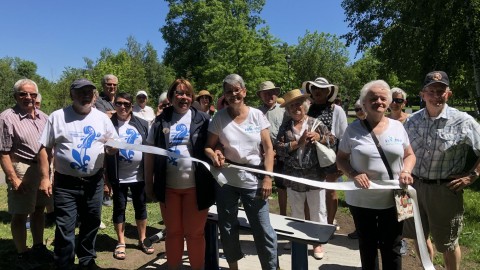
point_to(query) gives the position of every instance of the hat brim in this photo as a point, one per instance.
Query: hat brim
(333, 89)
(432, 82)
(276, 89)
(303, 96)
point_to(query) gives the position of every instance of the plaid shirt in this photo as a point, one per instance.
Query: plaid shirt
(441, 144)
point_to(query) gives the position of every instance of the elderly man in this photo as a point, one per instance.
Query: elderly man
(104, 102)
(21, 127)
(141, 109)
(441, 138)
(77, 134)
(268, 93)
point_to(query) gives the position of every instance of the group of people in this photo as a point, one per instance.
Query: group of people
(62, 160)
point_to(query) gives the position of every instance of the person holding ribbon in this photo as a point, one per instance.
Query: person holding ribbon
(295, 145)
(184, 188)
(374, 211)
(240, 135)
(125, 171)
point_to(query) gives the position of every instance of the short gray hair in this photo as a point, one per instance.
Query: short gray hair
(162, 97)
(109, 77)
(39, 98)
(397, 90)
(234, 79)
(367, 87)
(20, 83)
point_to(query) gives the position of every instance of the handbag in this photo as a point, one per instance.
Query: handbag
(326, 156)
(403, 201)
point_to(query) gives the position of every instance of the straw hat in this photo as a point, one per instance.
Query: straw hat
(280, 100)
(292, 96)
(204, 93)
(268, 86)
(322, 83)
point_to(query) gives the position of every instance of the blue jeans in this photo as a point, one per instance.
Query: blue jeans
(257, 211)
(74, 198)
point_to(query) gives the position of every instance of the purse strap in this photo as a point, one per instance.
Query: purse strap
(380, 150)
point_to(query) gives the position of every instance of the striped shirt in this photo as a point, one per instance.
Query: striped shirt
(441, 143)
(20, 133)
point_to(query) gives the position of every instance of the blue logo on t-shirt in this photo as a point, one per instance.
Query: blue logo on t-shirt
(127, 155)
(182, 133)
(81, 156)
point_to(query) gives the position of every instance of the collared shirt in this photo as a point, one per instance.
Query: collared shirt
(276, 116)
(441, 143)
(104, 103)
(20, 132)
(146, 113)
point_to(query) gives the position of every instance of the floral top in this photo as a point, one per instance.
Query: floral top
(303, 161)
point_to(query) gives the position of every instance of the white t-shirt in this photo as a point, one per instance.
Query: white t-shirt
(241, 144)
(180, 173)
(129, 160)
(146, 113)
(78, 140)
(364, 157)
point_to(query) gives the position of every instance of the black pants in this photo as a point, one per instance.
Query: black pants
(120, 192)
(378, 229)
(73, 197)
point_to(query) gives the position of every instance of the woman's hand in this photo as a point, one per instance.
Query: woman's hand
(405, 178)
(361, 180)
(313, 137)
(218, 158)
(266, 187)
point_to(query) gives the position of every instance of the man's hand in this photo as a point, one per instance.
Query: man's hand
(361, 180)
(46, 186)
(460, 182)
(16, 185)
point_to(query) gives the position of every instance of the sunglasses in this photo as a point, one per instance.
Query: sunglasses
(398, 100)
(358, 109)
(125, 104)
(164, 105)
(25, 94)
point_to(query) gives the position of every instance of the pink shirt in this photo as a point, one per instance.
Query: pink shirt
(20, 133)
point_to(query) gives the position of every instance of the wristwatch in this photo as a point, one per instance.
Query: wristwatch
(475, 173)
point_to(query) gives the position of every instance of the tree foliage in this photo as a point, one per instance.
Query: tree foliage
(412, 38)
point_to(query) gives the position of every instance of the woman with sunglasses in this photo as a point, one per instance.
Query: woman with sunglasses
(399, 100)
(125, 171)
(184, 188)
(359, 112)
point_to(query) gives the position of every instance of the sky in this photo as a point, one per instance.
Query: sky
(56, 34)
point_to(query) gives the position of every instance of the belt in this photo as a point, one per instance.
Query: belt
(24, 160)
(74, 182)
(431, 181)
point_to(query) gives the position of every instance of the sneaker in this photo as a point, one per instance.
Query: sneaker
(25, 262)
(404, 248)
(102, 226)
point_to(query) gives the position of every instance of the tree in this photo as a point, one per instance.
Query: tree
(412, 38)
(207, 40)
(319, 55)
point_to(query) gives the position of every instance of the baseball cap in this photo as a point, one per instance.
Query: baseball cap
(436, 77)
(77, 84)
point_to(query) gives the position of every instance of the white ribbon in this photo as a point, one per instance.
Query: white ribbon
(374, 184)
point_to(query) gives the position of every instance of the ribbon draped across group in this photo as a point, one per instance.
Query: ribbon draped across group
(374, 184)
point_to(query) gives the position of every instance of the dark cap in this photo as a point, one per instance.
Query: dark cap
(436, 77)
(77, 84)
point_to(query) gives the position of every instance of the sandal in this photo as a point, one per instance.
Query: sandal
(119, 254)
(146, 249)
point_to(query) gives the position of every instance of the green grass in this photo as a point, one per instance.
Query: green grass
(106, 239)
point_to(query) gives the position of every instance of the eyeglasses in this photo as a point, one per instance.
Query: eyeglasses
(435, 91)
(234, 91)
(179, 93)
(398, 100)
(164, 105)
(358, 109)
(111, 84)
(125, 104)
(25, 94)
